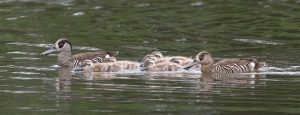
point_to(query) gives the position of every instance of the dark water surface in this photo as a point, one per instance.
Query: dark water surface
(264, 29)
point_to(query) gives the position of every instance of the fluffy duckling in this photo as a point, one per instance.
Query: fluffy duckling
(160, 58)
(246, 65)
(110, 64)
(152, 66)
(128, 65)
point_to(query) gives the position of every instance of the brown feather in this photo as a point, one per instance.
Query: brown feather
(92, 55)
(240, 61)
(232, 61)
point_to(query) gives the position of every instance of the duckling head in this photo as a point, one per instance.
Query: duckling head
(110, 59)
(176, 60)
(149, 62)
(157, 54)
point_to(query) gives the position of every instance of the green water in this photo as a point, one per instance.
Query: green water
(264, 29)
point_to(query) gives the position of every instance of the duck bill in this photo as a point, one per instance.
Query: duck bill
(190, 65)
(51, 50)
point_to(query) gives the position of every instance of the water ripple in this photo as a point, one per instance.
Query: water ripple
(9, 91)
(28, 67)
(26, 58)
(30, 78)
(31, 45)
(139, 47)
(22, 53)
(253, 41)
(26, 73)
(60, 2)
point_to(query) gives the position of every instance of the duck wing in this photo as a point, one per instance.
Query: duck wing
(241, 61)
(92, 55)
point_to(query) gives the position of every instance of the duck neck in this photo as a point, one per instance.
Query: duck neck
(64, 58)
(206, 68)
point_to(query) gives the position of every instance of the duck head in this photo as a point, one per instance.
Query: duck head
(203, 58)
(61, 45)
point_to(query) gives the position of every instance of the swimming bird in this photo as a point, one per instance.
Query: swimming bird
(242, 65)
(160, 58)
(66, 59)
(151, 65)
(110, 64)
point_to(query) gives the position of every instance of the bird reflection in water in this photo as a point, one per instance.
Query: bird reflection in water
(63, 81)
(240, 80)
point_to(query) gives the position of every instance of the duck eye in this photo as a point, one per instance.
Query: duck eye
(201, 57)
(61, 44)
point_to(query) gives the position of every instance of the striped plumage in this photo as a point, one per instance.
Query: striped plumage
(246, 65)
(232, 68)
(66, 59)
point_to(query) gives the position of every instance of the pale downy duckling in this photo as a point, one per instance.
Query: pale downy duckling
(124, 64)
(110, 64)
(160, 58)
(246, 65)
(128, 65)
(66, 59)
(151, 66)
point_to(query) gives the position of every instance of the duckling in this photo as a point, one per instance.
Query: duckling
(66, 59)
(150, 65)
(160, 58)
(128, 65)
(109, 65)
(245, 65)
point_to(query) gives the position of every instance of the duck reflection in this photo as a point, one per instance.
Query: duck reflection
(63, 87)
(63, 81)
(99, 75)
(244, 80)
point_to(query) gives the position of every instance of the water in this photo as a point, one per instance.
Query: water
(263, 29)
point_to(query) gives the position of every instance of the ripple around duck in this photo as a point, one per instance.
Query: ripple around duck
(193, 74)
(282, 70)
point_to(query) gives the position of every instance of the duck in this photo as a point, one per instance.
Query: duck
(227, 66)
(110, 64)
(150, 65)
(66, 59)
